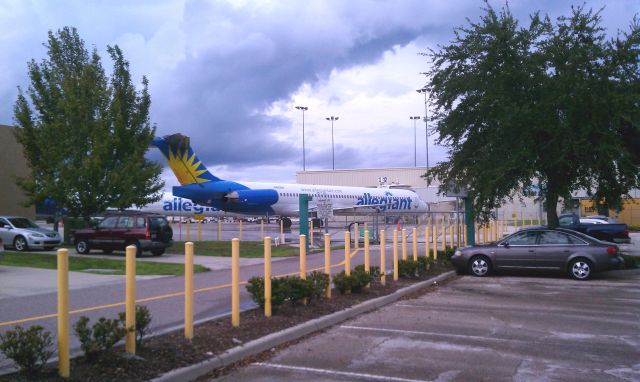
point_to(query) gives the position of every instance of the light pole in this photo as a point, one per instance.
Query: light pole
(415, 140)
(303, 108)
(333, 158)
(426, 126)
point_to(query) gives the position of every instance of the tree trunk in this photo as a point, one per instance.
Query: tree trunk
(552, 213)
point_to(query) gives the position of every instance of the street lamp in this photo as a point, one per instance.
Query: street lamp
(333, 158)
(415, 140)
(426, 126)
(303, 108)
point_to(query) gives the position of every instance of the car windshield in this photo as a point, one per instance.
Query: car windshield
(23, 223)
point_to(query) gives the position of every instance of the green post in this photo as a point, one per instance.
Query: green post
(304, 216)
(468, 221)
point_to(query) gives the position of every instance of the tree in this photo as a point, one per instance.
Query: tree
(549, 105)
(85, 134)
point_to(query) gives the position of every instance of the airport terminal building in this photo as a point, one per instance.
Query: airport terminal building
(12, 164)
(526, 208)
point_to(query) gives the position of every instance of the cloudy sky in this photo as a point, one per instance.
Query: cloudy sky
(230, 73)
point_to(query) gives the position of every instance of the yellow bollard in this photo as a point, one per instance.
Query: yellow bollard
(367, 264)
(63, 312)
(199, 230)
(404, 244)
(262, 230)
(464, 234)
(240, 233)
(435, 241)
(327, 262)
(130, 301)
(281, 231)
(451, 234)
(427, 238)
(356, 236)
(415, 244)
(383, 265)
(219, 230)
(395, 255)
(235, 282)
(444, 235)
(303, 261)
(347, 255)
(267, 276)
(303, 257)
(188, 290)
(188, 229)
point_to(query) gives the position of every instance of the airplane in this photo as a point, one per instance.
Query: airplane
(175, 206)
(269, 198)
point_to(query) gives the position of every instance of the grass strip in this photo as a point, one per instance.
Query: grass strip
(93, 265)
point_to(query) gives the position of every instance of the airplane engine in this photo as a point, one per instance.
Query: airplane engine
(253, 197)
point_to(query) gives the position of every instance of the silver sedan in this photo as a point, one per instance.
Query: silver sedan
(540, 248)
(23, 234)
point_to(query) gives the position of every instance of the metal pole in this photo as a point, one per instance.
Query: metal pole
(426, 127)
(303, 109)
(333, 154)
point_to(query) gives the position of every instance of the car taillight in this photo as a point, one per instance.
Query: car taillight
(612, 250)
(625, 233)
(148, 234)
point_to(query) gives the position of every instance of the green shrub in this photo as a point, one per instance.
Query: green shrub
(319, 283)
(342, 282)
(357, 280)
(30, 349)
(101, 337)
(424, 264)
(373, 270)
(407, 268)
(143, 320)
(255, 287)
(298, 289)
(361, 278)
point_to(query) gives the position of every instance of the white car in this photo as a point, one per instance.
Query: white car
(592, 221)
(23, 234)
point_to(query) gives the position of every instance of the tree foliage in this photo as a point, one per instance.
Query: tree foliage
(551, 104)
(85, 133)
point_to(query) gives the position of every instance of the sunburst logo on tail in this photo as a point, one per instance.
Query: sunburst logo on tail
(186, 166)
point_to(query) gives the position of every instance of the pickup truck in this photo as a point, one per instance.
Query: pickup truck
(615, 233)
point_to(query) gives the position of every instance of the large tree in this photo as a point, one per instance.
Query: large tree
(84, 133)
(554, 105)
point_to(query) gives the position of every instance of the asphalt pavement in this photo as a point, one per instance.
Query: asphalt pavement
(503, 328)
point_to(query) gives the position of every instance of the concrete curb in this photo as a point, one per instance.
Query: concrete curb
(190, 373)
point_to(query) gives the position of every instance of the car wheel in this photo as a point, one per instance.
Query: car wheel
(82, 247)
(580, 269)
(137, 245)
(20, 244)
(479, 266)
(157, 252)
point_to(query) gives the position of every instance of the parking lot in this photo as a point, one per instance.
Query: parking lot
(510, 327)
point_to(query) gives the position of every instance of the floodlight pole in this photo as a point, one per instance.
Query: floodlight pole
(333, 157)
(426, 125)
(303, 108)
(415, 140)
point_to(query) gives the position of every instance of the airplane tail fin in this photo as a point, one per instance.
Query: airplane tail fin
(186, 166)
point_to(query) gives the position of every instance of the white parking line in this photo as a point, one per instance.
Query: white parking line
(360, 376)
(431, 334)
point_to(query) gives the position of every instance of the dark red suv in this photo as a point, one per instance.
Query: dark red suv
(148, 232)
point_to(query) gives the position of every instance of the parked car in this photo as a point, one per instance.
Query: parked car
(592, 221)
(146, 231)
(618, 233)
(540, 248)
(23, 234)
